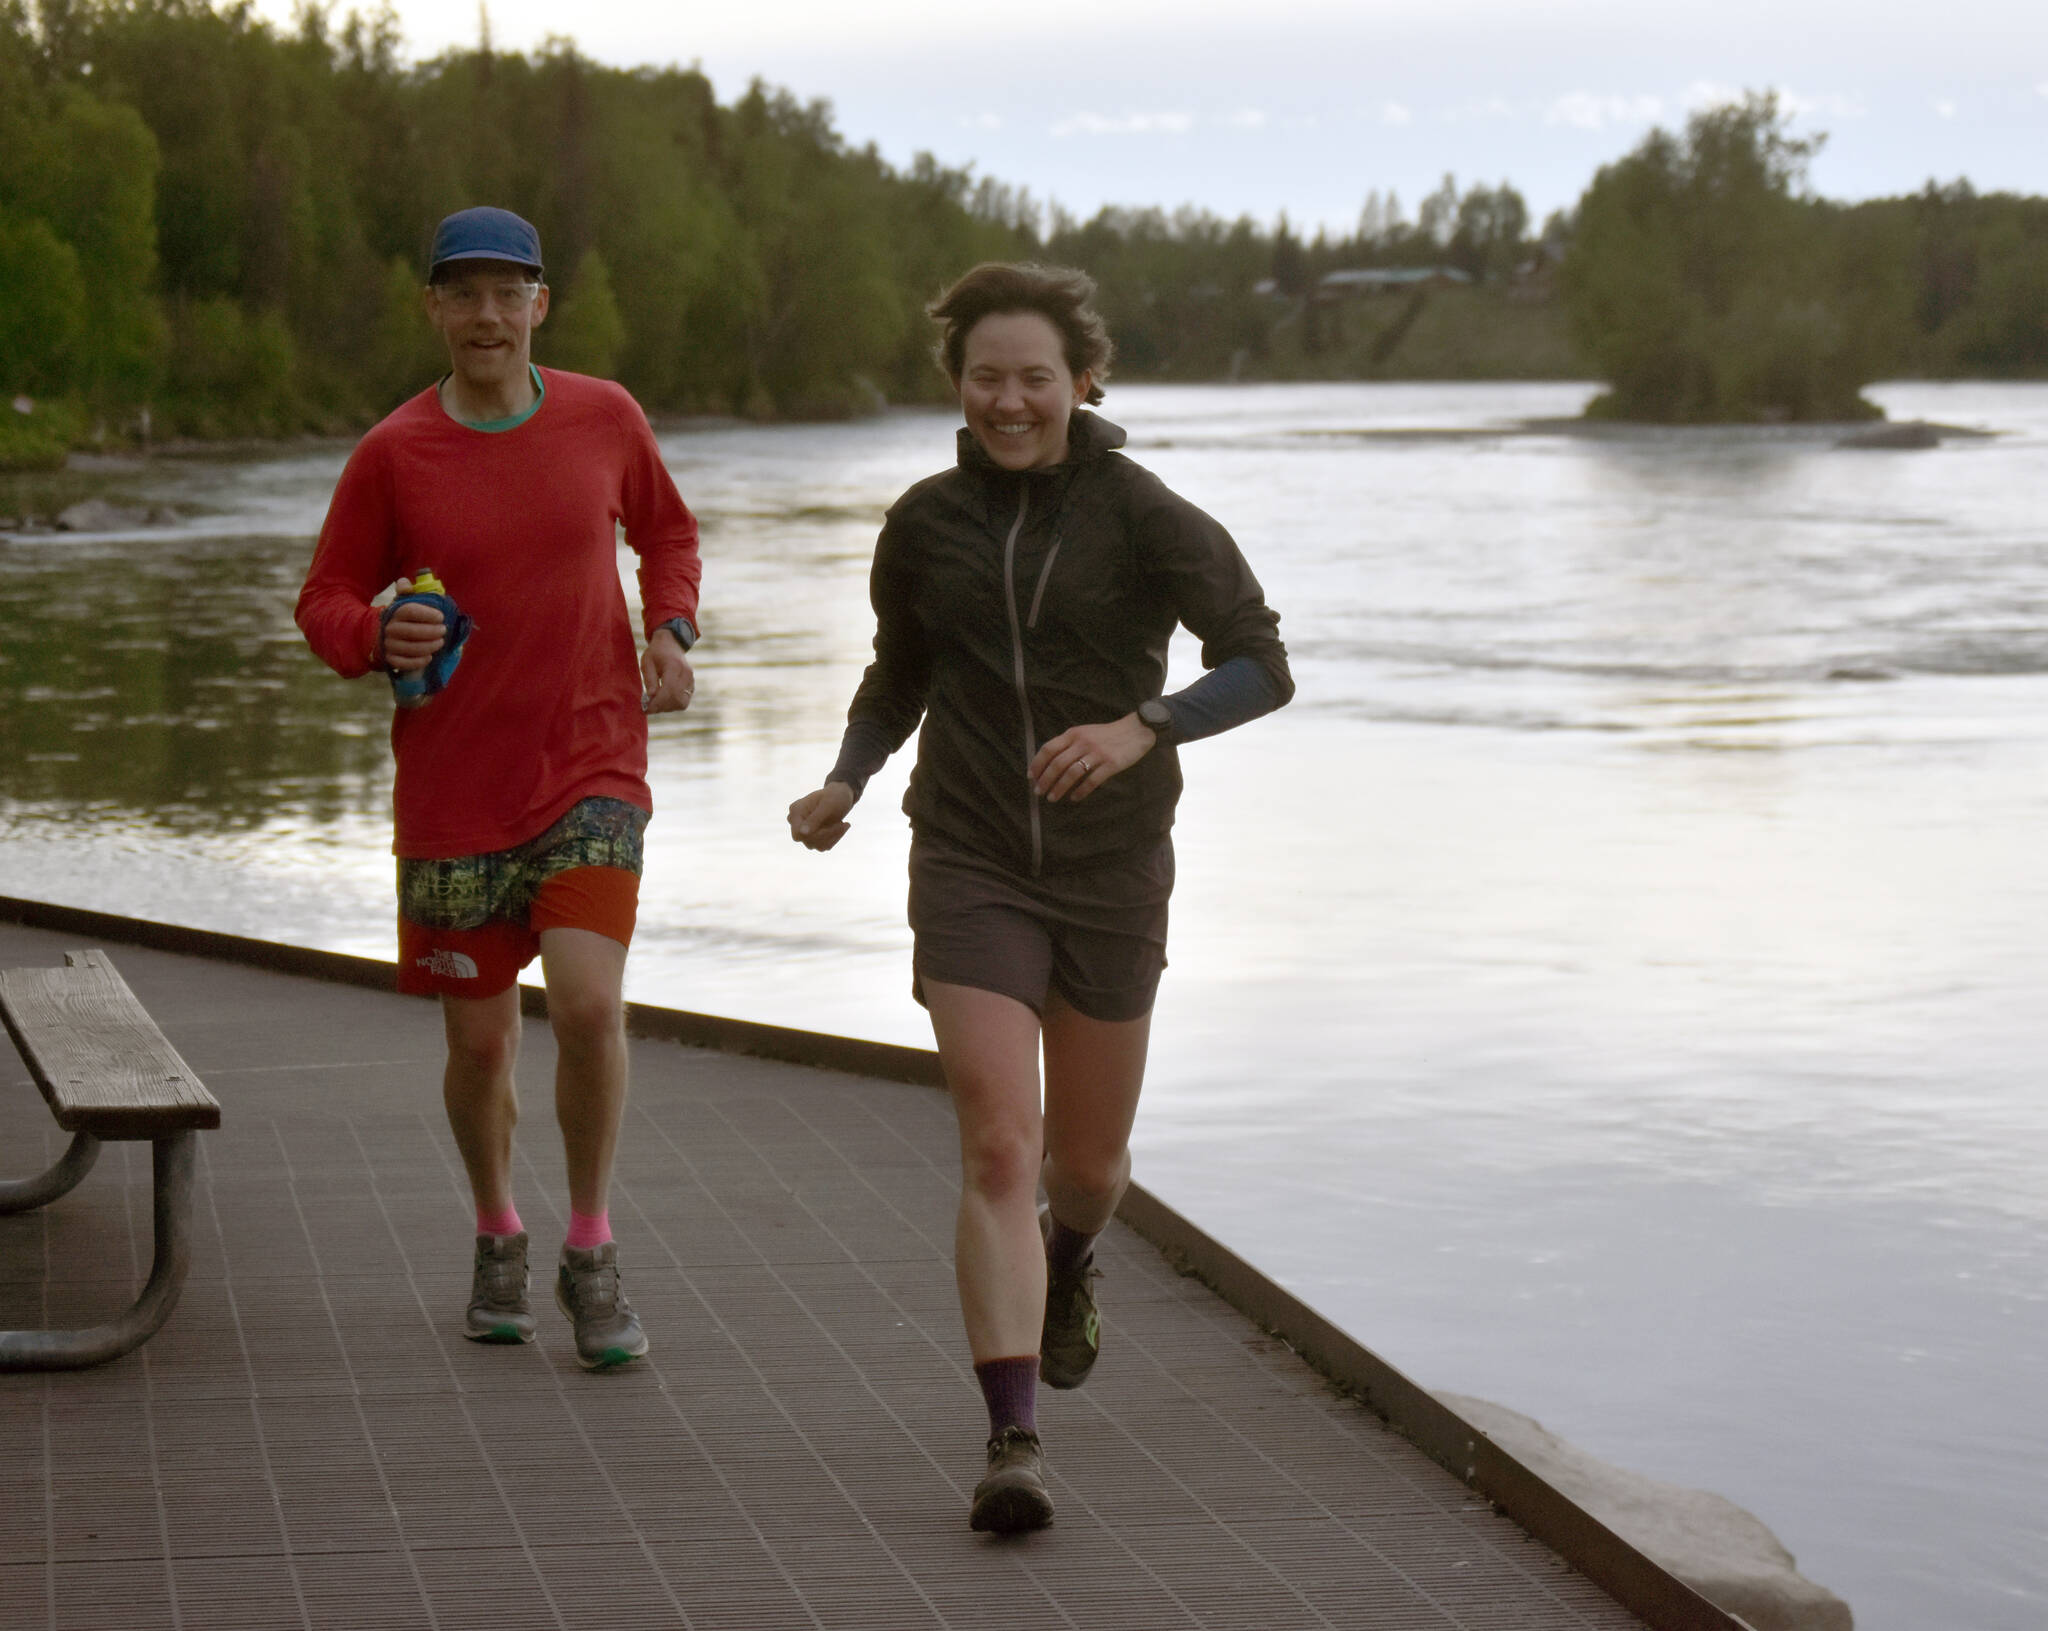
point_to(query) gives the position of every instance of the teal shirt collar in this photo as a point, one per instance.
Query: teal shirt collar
(492, 426)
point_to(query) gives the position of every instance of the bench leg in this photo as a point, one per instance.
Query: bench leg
(174, 1159)
(26, 1194)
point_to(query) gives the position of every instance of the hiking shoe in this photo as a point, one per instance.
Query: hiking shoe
(1011, 1496)
(1072, 1335)
(587, 1290)
(498, 1309)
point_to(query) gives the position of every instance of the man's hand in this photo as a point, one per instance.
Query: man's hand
(411, 635)
(818, 820)
(667, 682)
(1076, 762)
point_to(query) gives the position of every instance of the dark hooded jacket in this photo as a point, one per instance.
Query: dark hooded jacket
(1012, 606)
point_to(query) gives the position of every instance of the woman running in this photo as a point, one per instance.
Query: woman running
(1024, 600)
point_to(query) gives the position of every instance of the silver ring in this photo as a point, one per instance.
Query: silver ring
(1085, 767)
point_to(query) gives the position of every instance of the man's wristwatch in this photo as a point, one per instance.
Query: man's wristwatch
(1156, 717)
(681, 628)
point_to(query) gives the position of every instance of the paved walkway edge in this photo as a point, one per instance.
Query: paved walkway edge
(1633, 1579)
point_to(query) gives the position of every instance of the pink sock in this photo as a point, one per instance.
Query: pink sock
(499, 1223)
(586, 1231)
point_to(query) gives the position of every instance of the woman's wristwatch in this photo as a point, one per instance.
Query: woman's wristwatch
(1156, 717)
(681, 628)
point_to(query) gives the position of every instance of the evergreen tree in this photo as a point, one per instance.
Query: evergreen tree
(585, 333)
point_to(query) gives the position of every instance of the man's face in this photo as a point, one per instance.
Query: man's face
(486, 312)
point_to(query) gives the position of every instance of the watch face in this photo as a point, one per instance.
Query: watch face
(1155, 714)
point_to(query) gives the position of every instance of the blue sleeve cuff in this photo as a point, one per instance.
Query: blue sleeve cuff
(1231, 694)
(863, 750)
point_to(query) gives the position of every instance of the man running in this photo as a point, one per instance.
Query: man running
(521, 790)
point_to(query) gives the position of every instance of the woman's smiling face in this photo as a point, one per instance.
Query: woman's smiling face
(1016, 389)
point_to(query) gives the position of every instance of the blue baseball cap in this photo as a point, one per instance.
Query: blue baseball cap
(484, 233)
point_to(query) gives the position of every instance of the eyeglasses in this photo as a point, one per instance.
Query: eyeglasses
(467, 299)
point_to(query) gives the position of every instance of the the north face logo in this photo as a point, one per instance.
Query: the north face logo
(450, 965)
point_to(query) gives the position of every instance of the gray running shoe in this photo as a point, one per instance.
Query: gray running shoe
(587, 1289)
(1072, 1335)
(498, 1309)
(1011, 1497)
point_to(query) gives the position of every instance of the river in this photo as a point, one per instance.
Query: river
(1614, 987)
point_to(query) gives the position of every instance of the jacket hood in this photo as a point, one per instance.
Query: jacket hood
(1089, 436)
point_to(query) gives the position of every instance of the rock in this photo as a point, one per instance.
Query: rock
(1721, 1551)
(97, 515)
(1906, 436)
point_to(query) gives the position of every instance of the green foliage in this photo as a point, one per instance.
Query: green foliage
(82, 172)
(1489, 237)
(43, 313)
(2006, 330)
(230, 373)
(585, 333)
(1704, 286)
(1445, 333)
(405, 352)
(39, 438)
(1978, 270)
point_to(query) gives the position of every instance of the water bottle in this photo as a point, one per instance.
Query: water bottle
(417, 689)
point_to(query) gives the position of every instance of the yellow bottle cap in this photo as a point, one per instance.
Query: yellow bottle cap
(425, 583)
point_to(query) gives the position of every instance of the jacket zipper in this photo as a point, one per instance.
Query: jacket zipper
(1017, 665)
(1044, 572)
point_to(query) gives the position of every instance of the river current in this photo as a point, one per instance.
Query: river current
(1614, 987)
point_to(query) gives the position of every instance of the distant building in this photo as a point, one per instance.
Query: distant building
(1356, 280)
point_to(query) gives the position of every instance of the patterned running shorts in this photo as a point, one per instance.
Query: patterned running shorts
(467, 925)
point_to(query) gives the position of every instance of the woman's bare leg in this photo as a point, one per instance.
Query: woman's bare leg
(988, 1045)
(1094, 1070)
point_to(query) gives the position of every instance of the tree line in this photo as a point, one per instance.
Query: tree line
(211, 226)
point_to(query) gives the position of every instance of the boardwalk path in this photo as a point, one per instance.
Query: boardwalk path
(309, 1443)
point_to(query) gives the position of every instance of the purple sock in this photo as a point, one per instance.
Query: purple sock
(1010, 1387)
(586, 1231)
(499, 1223)
(1067, 1249)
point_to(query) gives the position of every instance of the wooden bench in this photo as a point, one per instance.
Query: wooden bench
(108, 1073)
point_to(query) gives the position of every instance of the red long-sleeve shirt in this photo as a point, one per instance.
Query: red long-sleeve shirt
(519, 526)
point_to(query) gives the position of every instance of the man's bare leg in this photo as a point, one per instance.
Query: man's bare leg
(483, 1108)
(585, 975)
(477, 1088)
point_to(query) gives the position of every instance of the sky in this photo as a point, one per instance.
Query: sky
(1305, 107)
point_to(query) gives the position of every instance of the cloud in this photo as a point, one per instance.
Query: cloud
(1710, 93)
(983, 121)
(1491, 107)
(1829, 107)
(1584, 111)
(1247, 119)
(1944, 108)
(1129, 124)
(1396, 113)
